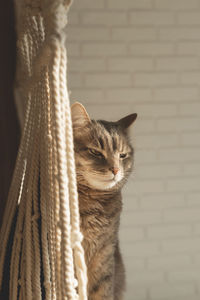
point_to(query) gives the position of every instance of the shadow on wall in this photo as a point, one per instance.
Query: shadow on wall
(9, 127)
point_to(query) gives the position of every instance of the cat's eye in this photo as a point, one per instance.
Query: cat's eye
(123, 155)
(95, 152)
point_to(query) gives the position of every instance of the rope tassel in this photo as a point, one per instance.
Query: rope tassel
(47, 257)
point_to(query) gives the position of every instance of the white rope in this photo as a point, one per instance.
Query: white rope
(47, 255)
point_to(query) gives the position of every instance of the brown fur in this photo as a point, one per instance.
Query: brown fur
(100, 207)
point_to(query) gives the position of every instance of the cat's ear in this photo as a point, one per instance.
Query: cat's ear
(127, 121)
(79, 115)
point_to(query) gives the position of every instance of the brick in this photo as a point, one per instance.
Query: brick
(145, 156)
(171, 291)
(142, 218)
(136, 264)
(157, 141)
(188, 48)
(177, 64)
(156, 110)
(135, 293)
(152, 18)
(190, 139)
(137, 234)
(128, 4)
(75, 80)
(189, 18)
(159, 171)
(128, 95)
(185, 245)
(142, 250)
(130, 200)
(196, 297)
(104, 18)
(179, 155)
(182, 215)
(186, 275)
(148, 186)
(176, 94)
(168, 262)
(130, 64)
(191, 169)
(198, 286)
(88, 4)
(184, 184)
(192, 78)
(86, 64)
(179, 125)
(98, 111)
(162, 201)
(129, 195)
(134, 34)
(197, 257)
(151, 48)
(179, 34)
(73, 49)
(190, 109)
(104, 49)
(193, 198)
(76, 34)
(107, 80)
(197, 232)
(176, 4)
(128, 192)
(87, 96)
(144, 126)
(148, 278)
(155, 79)
(73, 18)
(168, 231)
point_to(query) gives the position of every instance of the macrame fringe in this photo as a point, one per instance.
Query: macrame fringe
(47, 260)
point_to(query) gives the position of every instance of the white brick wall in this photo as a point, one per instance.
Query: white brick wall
(144, 56)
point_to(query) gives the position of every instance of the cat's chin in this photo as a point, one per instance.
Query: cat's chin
(102, 185)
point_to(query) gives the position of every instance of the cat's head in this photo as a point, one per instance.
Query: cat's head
(103, 153)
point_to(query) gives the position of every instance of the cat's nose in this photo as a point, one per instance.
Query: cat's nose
(114, 170)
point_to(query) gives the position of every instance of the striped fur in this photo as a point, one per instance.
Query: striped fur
(98, 147)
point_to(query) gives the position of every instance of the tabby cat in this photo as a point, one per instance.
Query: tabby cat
(104, 159)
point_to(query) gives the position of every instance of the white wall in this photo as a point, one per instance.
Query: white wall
(144, 56)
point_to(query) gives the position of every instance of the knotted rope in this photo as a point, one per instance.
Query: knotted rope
(47, 260)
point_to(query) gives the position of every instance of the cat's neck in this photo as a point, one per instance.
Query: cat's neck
(92, 200)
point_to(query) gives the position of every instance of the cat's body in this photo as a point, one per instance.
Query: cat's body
(99, 224)
(104, 159)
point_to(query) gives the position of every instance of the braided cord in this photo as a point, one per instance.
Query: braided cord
(47, 255)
